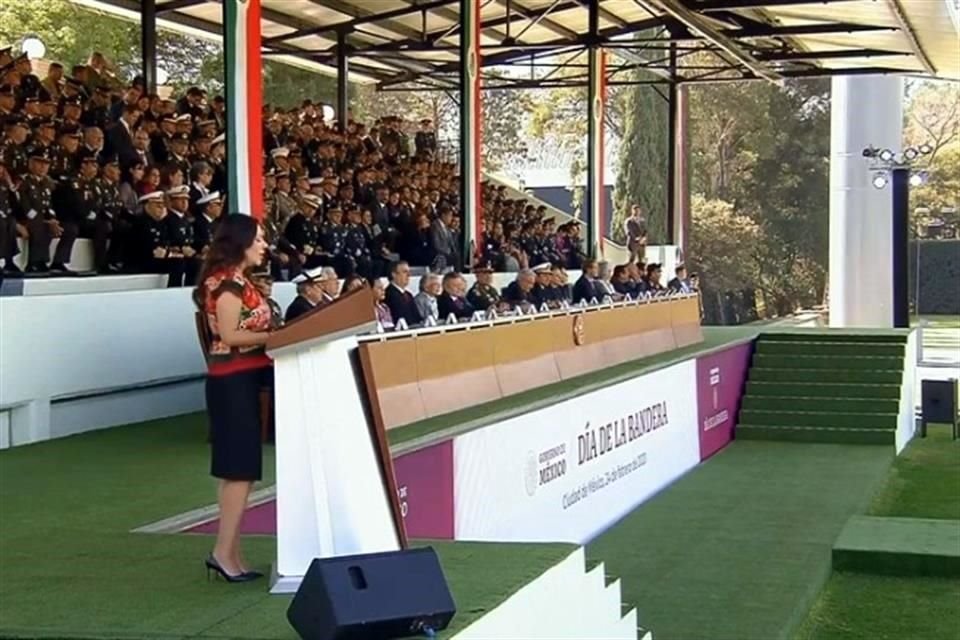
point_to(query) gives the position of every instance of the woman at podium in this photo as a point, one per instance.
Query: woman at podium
(238, 320)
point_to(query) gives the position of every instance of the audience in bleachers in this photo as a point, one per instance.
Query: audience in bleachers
(144, 177)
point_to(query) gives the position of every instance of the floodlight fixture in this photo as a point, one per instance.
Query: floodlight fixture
(926, 149)
(886, 155)
(328, 112)
(162, 76)
(918, 178)
(33, 47)
(879, 180)
(910, 154)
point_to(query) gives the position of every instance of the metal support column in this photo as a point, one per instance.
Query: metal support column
(596, 97)
(470, 128)
(148, 43)
(343, 84)
(901, 247)
(672, 149)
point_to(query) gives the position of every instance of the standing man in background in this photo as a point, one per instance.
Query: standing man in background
(635, 228)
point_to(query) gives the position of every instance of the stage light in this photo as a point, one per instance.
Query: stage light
(917, 179)
(886, 155)
(33, 47)
(926, 149)
(910, 154)
(162, 76)
(879, 180)
(328, 112)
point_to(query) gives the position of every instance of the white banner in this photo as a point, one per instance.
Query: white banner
(567, 472)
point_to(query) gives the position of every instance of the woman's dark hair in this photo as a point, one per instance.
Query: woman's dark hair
(235, 233)
(349, 282)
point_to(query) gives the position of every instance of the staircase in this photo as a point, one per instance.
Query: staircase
(830, 386)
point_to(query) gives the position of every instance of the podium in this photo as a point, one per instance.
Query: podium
(336, 492)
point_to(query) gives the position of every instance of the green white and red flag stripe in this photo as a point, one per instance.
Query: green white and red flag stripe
(243, 68)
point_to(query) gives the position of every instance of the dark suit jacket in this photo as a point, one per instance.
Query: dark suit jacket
(297, 308)
(119, 141)
(677, 284)
(585, 289)
(444, 245)
(513, 295)
(446, 304)
(401, 305)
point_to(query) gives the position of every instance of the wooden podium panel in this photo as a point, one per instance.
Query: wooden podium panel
(336, 492)
(438, 370)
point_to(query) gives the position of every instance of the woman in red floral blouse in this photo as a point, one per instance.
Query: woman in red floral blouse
(238, 319)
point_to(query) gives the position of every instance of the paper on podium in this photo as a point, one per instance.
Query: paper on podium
(336, 492)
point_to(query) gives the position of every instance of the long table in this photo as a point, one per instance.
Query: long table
(417, 374)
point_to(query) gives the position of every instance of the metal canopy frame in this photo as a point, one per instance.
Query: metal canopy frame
(414, 44)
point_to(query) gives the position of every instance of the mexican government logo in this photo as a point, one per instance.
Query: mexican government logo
(544, 468)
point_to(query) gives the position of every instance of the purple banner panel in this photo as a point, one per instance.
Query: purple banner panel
(425, 485)
(720, 380)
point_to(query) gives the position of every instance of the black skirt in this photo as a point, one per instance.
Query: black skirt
(233, 405)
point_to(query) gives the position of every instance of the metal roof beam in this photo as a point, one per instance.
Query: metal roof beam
(700, 24)
(730, 5)
(176, 5)
(552, 25)
(792, 56)
(897, 9)
(361, 16)
(776, 30)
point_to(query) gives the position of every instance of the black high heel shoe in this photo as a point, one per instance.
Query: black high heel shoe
(214, 566)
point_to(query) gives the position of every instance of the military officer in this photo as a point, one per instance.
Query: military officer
(355, 244)
(183, 257)
(209, 208)
(284, 205)
(150, 247)
(483, 295)
(8, 224)
(332, 242)
(13, 152)
(426, 139)
(63, 154)
(36, 205)
(179, 148)
(302, 233)
(118, 221)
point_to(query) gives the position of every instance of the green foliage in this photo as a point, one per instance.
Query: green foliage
(644, 151)
(724, 245)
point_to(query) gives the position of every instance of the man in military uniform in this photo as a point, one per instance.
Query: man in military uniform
(63, 154)
(426, 140)
(150, 246)
(70, 111)
(355, 245)
(182, 261)
(13, 151)
(8, 224)
(118, 221)
(97, 112)
(302, 233)
(40, 219)
(43, 138)
(284, 205)
(8, 101)
(76, 200)
(483, 295)
(179, 148)
(160, 140)
(209, 208)
(332, 242)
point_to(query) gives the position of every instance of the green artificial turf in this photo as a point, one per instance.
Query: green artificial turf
(924, 482)
(899, 546)
(856, 606)
(739, 548)
(479, 415)
(69, 568)
(925, 479)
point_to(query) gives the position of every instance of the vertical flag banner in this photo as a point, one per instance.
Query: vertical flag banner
(471, 115)
(243, 69)
(596, 194)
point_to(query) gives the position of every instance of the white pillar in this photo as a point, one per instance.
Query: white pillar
(865, 111)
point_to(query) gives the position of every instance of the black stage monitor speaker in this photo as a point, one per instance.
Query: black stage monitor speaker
(938, 404)
(375, 595)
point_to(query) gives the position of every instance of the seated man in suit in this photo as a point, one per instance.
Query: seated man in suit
(654, 275)
(585, 288)
(315, 288)
(519, 293)
(398, 299)
(680, 284)
(426, 300)
(453, 299)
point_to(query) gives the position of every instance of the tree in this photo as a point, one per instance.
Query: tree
(642, 165)
(724, 245)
